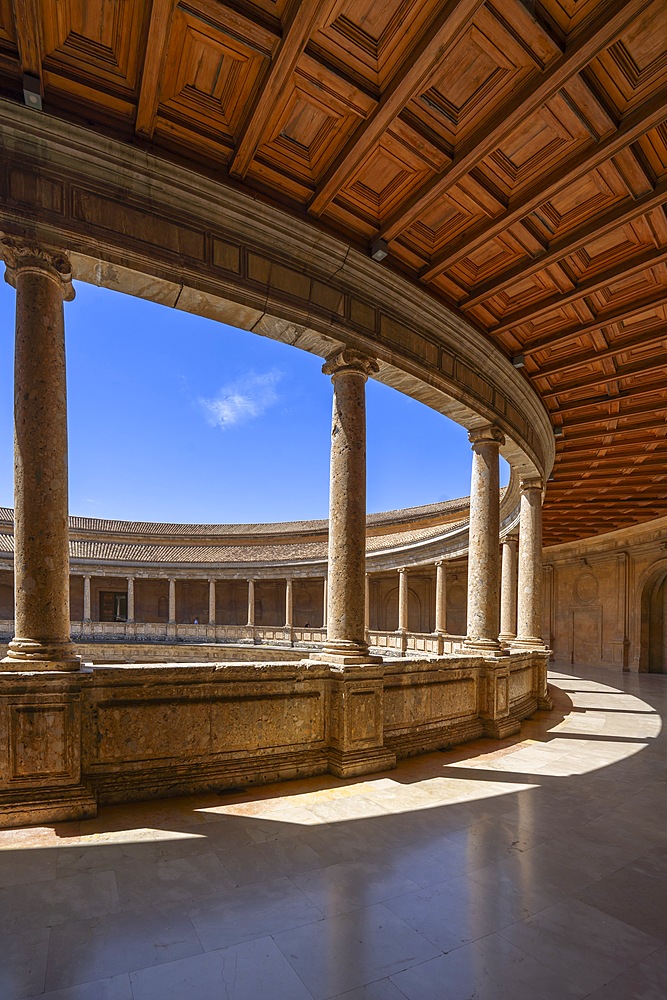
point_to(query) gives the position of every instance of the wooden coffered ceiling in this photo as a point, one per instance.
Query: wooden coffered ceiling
(513, 155)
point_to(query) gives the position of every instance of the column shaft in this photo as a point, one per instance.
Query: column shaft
(325, 599)
(440, 598)
(172, 602)
(251, 602)
(289, 611)
(41, 547)
(529, 609)
(130, 598)
(86, 598)
(367, 602)
(483, 545)
(508, 590)
(402, 600)
(346, 639)
(211, 602)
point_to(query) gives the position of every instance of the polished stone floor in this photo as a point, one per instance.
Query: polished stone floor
(531, 869)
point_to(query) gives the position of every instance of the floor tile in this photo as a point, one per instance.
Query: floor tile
(251, 911)
(351, 950)
(114, 988)
(56, 901)
(84, 950)
(489, 969)
(347, 886)
(587, 946)
(645, 981)
(249, 971)
(456, 912)
(171, 881)
(23, 963)
(632, 896)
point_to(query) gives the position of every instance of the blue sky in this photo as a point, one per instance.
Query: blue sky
(174, 417)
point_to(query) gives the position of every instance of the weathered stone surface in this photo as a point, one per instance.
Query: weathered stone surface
(42, 279)
(483, 552)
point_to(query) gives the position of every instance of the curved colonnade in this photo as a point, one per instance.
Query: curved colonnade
(226, 255)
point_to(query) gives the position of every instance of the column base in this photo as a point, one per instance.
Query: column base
(31, 654)
(35, 806)
(351, 763)
(484, 647)
(506, 638)
(345, 653)
(529, 642)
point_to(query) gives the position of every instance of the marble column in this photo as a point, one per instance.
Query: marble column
(251, 603)
(42, 279)
(86, 598)
(508, 589)
(483, 622)
(529, 604)
(211, 602)
(289, 606)
(130, 598)
(441, 597)
(346, 639)
(172, 602)
(403, 600)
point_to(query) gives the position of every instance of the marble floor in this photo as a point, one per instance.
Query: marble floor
(530, 869)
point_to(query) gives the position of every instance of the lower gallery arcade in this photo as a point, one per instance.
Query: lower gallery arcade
(80, 733)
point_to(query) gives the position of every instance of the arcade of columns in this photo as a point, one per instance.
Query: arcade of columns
(500, 615)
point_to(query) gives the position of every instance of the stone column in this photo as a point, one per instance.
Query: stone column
(402, 600)
(483, 548)
(172, 601)
(325, 598)
(211, 602)
(251, 603)
(346, 640)
(367, 603)
(42, 279)
(130, 598)
(441, 597)
(529, 604)
(86, 598)
(508, 590)
(289, 610)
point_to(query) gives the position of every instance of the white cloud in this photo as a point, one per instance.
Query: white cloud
(242, 400)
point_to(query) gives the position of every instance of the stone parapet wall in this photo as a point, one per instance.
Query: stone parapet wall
(117, 733)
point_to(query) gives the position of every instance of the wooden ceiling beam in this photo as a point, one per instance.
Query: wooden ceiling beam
(307, 14)
(555, 339)
(640, 428)
(159, 30)
(599, 34)
(622, 269)
(613, 351)
(594, 228)
(647, 116)
(639, 407)
(28, 22)
(412, 75)
(647, 388)
(655, 412)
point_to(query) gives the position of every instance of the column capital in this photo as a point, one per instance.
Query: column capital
(486, 435)
(510, 540)
(352, 362)
(440, 562)
(28, 255)
(534, 483)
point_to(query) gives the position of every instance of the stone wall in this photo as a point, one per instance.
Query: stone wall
(605, 599)
(117, 733)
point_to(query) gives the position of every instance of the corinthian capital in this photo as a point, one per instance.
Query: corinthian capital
(486, 435)
(27, 255)
(350, 361)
